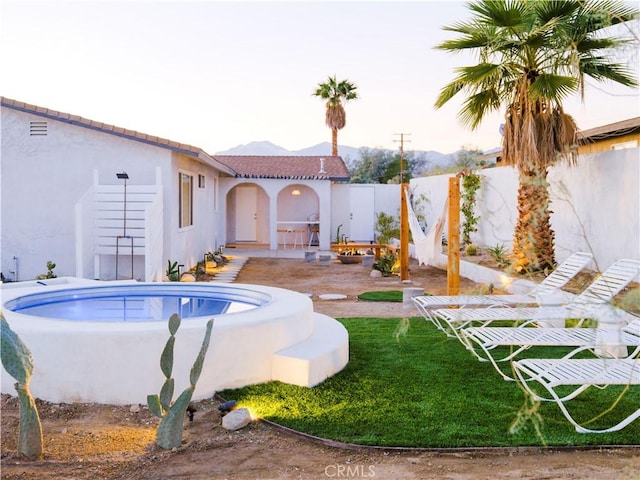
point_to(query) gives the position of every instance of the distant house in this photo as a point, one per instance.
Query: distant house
(106, 202)
(278, 199)
(614, 136)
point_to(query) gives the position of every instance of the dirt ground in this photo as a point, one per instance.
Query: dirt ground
(90, 441)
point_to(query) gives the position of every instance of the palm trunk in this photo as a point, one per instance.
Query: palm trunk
(334, 142)
(533, 243)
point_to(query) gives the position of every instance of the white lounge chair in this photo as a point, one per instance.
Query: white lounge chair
(549, 286)
(580, 373)
(585, 305)
(485, 342)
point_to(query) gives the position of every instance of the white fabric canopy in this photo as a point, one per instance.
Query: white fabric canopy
(427, 245)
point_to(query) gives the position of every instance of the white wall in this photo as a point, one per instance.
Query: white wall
(43, 178)
(275, 203)
(595, 205)
(188, 245)
(386, 199)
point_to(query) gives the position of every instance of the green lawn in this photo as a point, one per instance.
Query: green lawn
(415, 387)
(382, 296)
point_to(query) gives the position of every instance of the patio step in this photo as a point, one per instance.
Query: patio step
(309, 362)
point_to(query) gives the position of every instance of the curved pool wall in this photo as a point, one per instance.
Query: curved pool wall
(118, 362)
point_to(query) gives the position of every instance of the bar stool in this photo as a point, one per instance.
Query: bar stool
(297, 235)
(284, 236)
(314, 230)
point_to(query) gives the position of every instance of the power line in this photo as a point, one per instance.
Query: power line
(612, 94)
(402, 141)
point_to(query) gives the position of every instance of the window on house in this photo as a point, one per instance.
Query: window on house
(200, 181)
(186, 200)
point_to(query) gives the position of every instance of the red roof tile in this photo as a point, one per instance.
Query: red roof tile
(297, 167)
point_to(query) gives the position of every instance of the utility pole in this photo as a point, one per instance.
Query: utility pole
(404, 215)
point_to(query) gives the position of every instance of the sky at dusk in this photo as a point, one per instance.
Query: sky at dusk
(220, 74)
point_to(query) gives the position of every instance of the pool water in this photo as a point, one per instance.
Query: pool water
(130, 304)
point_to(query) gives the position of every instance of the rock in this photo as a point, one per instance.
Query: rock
(236, 419)
(188, 277)
(135, 408)
(375, 274)
(368, 260)
(332, 296)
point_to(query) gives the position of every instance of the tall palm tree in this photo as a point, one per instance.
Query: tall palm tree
(531, 56)
(335, 93)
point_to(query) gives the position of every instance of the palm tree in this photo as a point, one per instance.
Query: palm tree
(532, 55)
(335, 93)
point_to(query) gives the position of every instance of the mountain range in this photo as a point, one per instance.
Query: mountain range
(350, 155)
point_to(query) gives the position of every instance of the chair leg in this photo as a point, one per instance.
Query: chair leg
(284, 237)
(311, 234)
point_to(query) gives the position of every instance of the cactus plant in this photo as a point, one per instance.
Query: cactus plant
(173, 271)
(18, 362)
(169, 433)
(49, 274)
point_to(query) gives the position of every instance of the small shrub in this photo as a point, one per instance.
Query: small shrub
(385, 264)
(387, 227)
(471, 250)
(499, 254)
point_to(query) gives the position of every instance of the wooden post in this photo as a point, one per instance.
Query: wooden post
(453, 238)
(404, 233)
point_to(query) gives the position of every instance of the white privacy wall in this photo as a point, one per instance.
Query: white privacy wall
(595, 205)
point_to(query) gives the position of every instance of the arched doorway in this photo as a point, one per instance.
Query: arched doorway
(247, 215)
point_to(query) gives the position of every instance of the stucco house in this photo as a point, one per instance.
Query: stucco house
(612, 136)
(105, 202)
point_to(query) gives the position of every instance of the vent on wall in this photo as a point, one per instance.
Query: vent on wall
(37, 129)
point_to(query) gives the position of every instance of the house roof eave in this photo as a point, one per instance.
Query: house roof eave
(615, 129)
(133, 135)
(209, 160)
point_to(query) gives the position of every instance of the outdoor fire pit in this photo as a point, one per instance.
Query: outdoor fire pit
(350, 259)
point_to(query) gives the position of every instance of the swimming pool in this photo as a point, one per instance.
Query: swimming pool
(260, 334)
(137, 302)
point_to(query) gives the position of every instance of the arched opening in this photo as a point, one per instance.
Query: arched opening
(298, 216)
(247, 215)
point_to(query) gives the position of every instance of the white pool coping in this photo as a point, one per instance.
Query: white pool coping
(119, 363)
